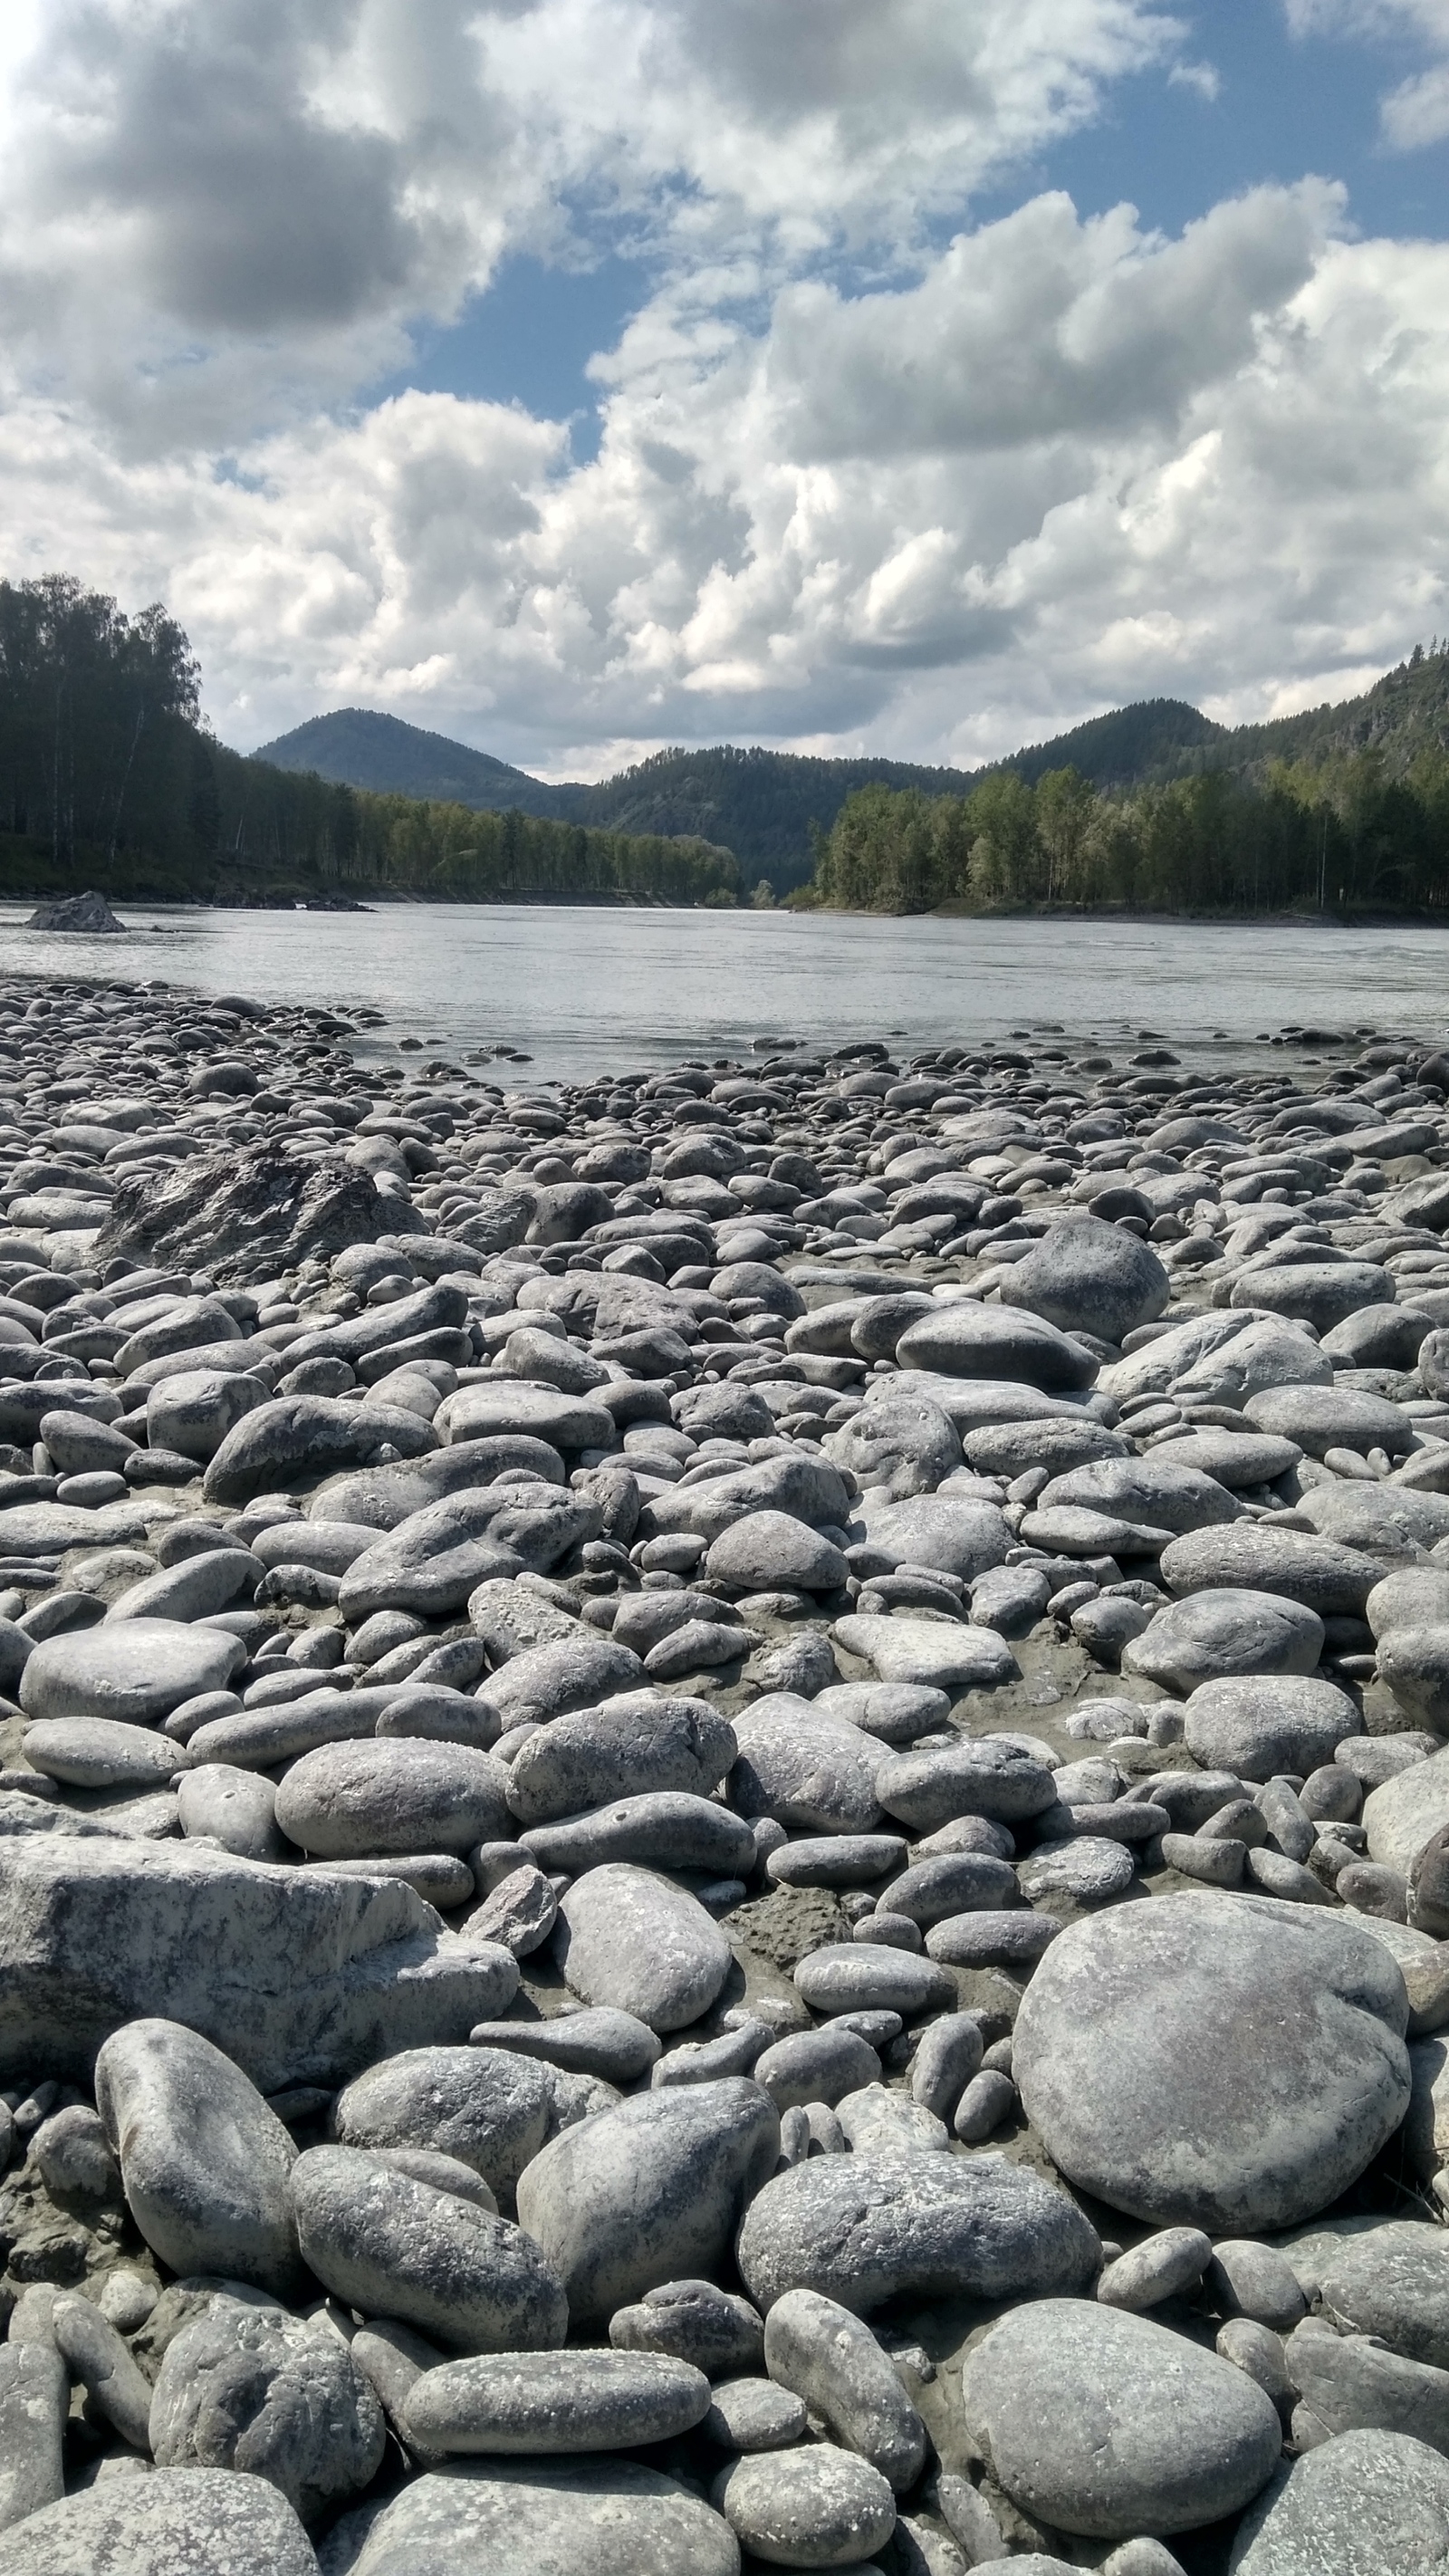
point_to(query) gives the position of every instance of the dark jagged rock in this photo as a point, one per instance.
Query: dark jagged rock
(88, 912)
(227, 1214)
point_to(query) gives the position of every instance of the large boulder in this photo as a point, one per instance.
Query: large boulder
(1361, 2505)
(300, 1976)
(580, 2518)
(176, 2522)
(1090, 1277)
(1215, 2061)
(1104, 2423)
(631, 1940)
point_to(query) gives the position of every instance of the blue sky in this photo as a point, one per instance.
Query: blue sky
(579, 376)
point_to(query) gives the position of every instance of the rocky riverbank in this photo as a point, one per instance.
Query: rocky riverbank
(724, 1827)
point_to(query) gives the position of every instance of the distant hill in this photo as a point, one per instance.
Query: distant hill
(762, 804)
(356, 748)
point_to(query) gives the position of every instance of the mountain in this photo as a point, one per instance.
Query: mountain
(356, 748)
(762, 804)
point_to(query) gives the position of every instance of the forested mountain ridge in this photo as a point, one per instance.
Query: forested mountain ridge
(763, 804)
(109, 778)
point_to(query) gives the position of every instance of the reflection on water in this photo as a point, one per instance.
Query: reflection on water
(583, 991)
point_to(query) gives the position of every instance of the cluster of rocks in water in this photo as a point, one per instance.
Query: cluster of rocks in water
(724, 1828)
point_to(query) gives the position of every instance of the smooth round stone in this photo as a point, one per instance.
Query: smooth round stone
(1106, 2424)
(815, 2066)
(804, 1767)
(630, 1940)
(864, 2229)
(949, 1532)
(1235, 1458)
(256, 2389)
(630, 1747)
(649, 2192)
(835, 1860)
(1402, 1814)
(938, 1653)
(953, 1883)
(989, 1776)
(1258, 1557)
(235, 1808)
(485, 2107)
(1089, 1277)
(192, 1411)
(1089, 1868)
(846, 1977)
(394, 2247)
(897, 1712)
(167, 2524)
(1361, 2504)
(714, 2330)
(834, 2361)
(814, 2507)
(402, 1794)
(1257, 1725)
(206, 2164)
(539, 2402)
(770, 1551)
(512, 1405)
(102, 1753)
(754, 2415)
(664, 1829)
(439, 1878)
(613, 2045)
(1214, 2061)
(136, 1671)
(1213, 1634)
(1014, 1940)
(595, 2518)
(1414, 1663)
(1392, 2280)
(973, 1341)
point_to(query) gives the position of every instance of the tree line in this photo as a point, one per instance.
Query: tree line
(1342, 834)
(109, 777)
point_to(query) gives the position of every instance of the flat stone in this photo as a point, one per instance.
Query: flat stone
(628, 1939)
(394, 2247)
(614, 2045)
(102, 1753)
(293, 1436)
(1216, 2061)
(135, 1672)
(648, 2192)
(513, 1405)
(948, 1531)
(864, 2230)
(1358, 2504)
(589, 2519)
(827, 2356)
(754, 2415)
(1319, 1418)
(484, 2106)
(944, 1654)
(1089, 1867)
(205, 2163)
(865, 1977)
(554, 2401)
(1106, 2424)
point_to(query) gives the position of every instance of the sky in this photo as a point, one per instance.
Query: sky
(576, 377)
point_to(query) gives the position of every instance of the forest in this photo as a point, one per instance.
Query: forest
(1342, 834)
(108, 777)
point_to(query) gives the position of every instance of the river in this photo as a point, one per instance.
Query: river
(582, 991)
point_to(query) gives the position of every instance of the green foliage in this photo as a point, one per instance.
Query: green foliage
(108, 778)
(1343, 835)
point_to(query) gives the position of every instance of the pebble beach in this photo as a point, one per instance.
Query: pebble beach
(724, 1803)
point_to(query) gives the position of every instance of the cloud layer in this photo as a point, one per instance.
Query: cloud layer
(862, 478)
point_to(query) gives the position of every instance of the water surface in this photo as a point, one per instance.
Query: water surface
(583, 991)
